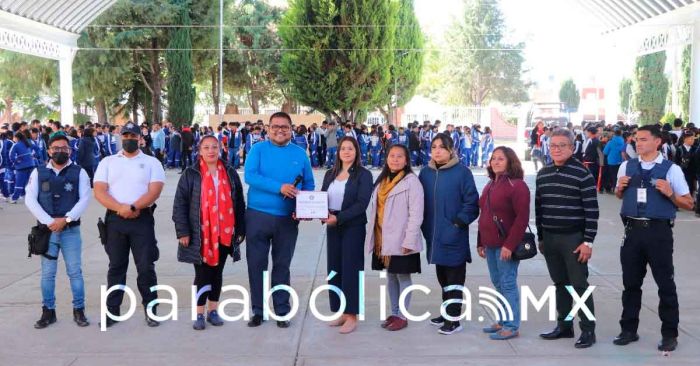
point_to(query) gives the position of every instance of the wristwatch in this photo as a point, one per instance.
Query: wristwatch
(133, 208)
(588, 244)
(68, 220)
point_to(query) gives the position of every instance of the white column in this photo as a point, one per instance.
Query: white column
(65, 68)
(695, 76)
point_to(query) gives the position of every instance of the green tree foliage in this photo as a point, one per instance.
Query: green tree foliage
(685, 82)
(23, 78)
(407, 69)
(181, 94)
(625, 91)
(482, 65)
(650, 87)
(334, 62)
(252, 68)
(569, 95)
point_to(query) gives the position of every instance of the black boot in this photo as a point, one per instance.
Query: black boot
(558, 333)
(48, 317)
(150, 321)
(114, 310)
(79, 317)
(586, 340)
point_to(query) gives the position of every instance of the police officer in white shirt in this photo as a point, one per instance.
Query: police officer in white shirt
(651, 189)
(57, 195)
(128, 184)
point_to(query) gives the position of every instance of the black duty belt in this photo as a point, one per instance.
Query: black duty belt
(648, 223)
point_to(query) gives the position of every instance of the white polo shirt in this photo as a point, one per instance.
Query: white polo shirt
(128, 178)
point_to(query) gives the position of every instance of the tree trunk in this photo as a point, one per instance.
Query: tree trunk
(8, 109)
(156, 83)
(215, 89)
(135, 104)
(101, 108)
(289, 106)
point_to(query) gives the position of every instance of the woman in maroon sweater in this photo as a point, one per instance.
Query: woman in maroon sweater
(506, 198)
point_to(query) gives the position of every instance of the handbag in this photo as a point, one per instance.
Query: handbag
(526, 248)
(38, 241)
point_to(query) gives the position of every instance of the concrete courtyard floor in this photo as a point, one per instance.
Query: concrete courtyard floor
(309, 341)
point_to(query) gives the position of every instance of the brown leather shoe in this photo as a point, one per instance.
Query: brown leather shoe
(397, 324)
(389, 320)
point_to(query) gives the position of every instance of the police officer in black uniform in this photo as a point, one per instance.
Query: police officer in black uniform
(128, 184)
(651, 189)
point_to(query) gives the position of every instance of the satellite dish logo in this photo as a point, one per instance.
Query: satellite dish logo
(497, 303)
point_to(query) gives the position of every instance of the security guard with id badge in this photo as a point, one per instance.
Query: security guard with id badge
(128, 184)
(651, 189)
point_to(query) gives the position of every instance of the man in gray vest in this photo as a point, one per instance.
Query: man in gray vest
(651, 189)
(57, 195)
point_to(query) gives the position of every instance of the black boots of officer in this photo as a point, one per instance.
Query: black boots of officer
(48, 317)
(116, 312)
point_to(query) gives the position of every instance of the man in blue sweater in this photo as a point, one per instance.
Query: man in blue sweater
(273, 170)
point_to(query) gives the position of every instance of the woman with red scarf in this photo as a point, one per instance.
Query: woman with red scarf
(209, 221)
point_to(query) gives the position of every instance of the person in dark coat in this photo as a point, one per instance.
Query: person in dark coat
(187, 145)
(86, 153)
(451, 204)
(222, 214)
(349, 188)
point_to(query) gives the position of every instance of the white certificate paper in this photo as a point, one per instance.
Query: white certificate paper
(312, 205)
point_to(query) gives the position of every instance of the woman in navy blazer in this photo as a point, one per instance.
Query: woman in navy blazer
(349, 188)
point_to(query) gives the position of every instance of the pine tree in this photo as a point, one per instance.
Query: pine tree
(335, 63)
(650, 87)
(180, 73)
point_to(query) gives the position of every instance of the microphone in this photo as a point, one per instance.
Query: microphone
(296, 182)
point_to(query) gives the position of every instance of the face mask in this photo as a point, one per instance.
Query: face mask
(60, 157)
(130, 146)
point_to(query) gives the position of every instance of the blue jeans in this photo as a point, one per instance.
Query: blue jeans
(504, 276)
(69, 243)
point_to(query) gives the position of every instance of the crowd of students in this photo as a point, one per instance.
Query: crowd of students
(604, 147)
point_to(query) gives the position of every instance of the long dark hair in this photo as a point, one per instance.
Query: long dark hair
(22, 137)
(447, 142)
(386, 171)
(514, 168)
(338, 167)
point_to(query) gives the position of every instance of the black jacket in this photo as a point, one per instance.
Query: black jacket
(86, 152)
(187, 139)
(186, 212)
(358, 192)
(591, 153)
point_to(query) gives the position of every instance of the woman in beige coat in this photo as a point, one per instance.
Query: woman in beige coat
(393, 236)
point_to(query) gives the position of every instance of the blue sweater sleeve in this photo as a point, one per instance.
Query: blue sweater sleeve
(308, 184)
(252, 173)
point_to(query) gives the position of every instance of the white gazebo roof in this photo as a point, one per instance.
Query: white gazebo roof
(49, 29)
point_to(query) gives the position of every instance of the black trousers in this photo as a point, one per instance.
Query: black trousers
(594, 168)
(449, 276)
(138, 237)
(610, 177)
(346, 257)
(268, 234)
(565, 270)
(205, 274)
(650, 244)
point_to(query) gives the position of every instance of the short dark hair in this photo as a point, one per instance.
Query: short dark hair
(281, 115)
(652, 129)
(58, 137)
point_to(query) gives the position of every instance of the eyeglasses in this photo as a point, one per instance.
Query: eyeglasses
(283, 128)
(558, 146)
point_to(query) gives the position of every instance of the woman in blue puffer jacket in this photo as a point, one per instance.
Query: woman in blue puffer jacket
(451, 204)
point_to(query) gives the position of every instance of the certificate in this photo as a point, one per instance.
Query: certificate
(312, 205)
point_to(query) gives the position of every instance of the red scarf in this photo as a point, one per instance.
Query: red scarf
(216, 212)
